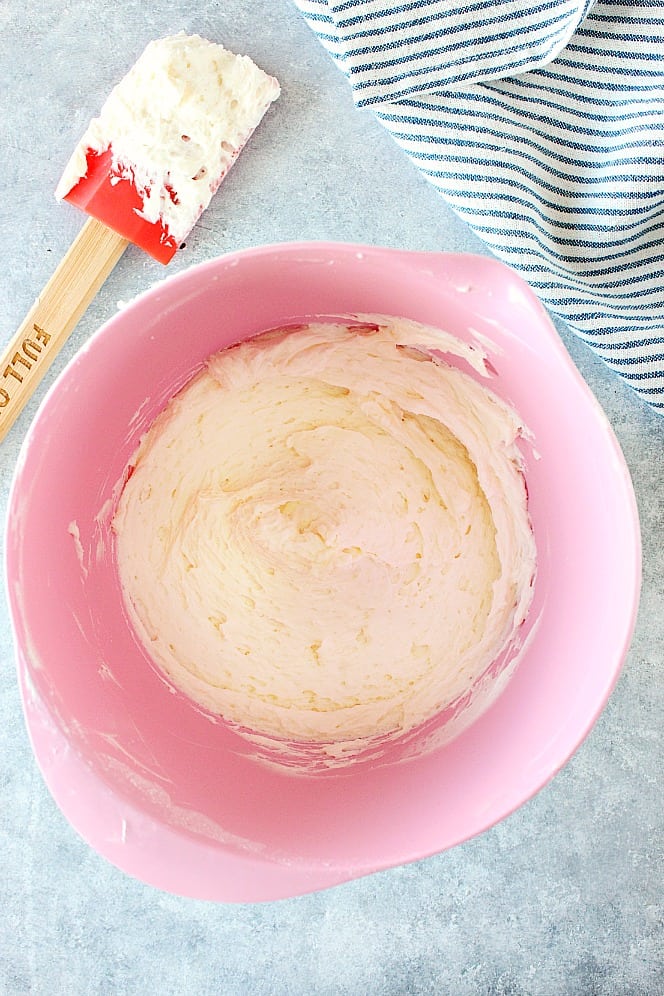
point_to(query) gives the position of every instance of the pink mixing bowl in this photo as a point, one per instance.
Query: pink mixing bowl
(180, 802)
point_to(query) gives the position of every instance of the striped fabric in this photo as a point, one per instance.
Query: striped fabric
(542, 125)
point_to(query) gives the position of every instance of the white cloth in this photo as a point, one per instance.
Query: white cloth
(542, 125)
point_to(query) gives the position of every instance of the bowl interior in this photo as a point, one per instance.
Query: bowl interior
(149, 745)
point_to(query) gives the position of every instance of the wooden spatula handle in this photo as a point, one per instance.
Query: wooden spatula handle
(53, 316)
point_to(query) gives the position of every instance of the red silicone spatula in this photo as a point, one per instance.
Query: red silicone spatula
(118, 205)
(144, 172)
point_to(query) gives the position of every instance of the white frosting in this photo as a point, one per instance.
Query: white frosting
(175, 124)
(326, 536)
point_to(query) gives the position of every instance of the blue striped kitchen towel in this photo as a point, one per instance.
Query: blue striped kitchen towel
(542, 125)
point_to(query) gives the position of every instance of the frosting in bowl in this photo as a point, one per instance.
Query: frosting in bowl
(324, 537)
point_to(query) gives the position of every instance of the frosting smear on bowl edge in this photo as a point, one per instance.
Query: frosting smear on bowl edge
(325, 536)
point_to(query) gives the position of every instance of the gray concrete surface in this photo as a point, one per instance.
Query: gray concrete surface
(563, 897)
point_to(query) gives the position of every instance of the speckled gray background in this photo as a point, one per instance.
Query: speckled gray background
(563, 897)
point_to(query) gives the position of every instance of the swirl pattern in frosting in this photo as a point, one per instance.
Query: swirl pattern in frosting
(325, 535)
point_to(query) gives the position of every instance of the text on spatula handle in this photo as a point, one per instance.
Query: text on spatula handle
(22, 361)
(55, 313)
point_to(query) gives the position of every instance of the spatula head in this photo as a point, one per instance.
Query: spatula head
(166, 137)
(115, 201)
